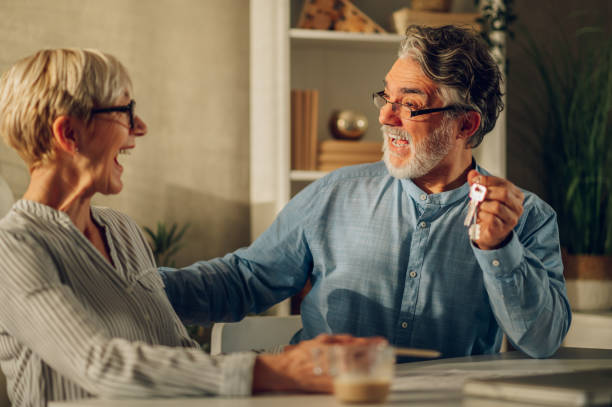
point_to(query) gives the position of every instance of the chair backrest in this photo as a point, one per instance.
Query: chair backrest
(253, 333)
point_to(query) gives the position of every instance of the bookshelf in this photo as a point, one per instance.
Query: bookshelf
(344, 67)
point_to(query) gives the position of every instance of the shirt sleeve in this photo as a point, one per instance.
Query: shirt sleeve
(525, 284)
(45, 316)
(275, 267)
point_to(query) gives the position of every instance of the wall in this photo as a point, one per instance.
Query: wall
(189, 61)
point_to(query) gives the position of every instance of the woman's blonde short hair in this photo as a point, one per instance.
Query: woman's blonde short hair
(51, 83)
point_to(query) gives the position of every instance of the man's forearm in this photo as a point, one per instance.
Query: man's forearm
(528, 297)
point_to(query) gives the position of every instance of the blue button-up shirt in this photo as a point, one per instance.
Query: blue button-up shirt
(385, 258)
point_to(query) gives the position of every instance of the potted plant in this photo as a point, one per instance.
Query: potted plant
(572, 102)
(165, 243)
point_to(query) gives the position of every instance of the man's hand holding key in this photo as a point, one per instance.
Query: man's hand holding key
(499, 212)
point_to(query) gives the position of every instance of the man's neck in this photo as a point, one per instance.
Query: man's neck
(449, 174)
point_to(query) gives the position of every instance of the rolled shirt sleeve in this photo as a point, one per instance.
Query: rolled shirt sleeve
(525, 284)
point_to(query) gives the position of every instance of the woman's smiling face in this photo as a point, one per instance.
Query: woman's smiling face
(109, 134)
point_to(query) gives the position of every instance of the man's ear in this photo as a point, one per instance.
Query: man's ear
(65, 134)
(470, 122)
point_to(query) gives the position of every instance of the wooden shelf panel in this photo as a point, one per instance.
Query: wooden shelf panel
(308, 36)
(298, 175)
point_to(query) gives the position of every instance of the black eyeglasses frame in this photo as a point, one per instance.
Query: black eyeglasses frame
(413, 113)
(129, 108)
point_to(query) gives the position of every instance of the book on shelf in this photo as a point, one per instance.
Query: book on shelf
(350, 146)
(355, 158)
(333, 154)
(304, 122)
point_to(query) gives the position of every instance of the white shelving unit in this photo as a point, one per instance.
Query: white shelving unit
(345, 67)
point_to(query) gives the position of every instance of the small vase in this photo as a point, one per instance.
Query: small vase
(588, 279)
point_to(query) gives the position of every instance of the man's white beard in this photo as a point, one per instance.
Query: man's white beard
(424, 156)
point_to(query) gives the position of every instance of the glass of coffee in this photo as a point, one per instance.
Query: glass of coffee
(362, 373)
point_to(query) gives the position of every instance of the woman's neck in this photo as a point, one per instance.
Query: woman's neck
(61, 188)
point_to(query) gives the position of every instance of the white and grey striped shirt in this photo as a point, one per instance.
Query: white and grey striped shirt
(73, 326)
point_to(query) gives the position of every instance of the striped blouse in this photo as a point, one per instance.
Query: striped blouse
(72, 325)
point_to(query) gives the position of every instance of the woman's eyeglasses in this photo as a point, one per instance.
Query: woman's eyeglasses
(129, 108)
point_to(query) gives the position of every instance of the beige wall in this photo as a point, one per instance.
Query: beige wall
(189, 61)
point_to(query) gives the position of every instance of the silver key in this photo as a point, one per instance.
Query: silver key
(474, 231)
(477, 195)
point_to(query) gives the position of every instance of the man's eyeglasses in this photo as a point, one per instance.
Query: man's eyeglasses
(406, 112)
(129, 108)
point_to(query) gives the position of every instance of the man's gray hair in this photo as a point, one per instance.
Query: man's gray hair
(458, 60)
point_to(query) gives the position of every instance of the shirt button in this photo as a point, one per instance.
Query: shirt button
(147, 318)
(495, 263)
(413, 274)
(423, 225)
(423, 197)
(404, 324)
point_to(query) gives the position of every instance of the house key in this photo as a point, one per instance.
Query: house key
(477, 195)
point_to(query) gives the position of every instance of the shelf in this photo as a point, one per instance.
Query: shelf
(298, 175)
(308, 36)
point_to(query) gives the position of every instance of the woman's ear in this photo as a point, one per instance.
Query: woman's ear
(65, 134)
(470, 122)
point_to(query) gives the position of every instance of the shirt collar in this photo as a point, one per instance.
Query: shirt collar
(46, 212)
(41, 211)
(443, 198)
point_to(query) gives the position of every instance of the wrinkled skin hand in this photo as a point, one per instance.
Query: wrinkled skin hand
(499, 213)
(294, 369)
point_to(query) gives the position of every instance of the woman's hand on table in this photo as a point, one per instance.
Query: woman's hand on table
(296, 369)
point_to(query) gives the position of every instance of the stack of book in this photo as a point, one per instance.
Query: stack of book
(304, 121)
(404, 17)
(334, 154)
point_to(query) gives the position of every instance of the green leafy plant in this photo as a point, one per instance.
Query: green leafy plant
(166, 242)
(497, 17)
(573, 105)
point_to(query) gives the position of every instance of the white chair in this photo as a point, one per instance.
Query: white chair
(266, 333)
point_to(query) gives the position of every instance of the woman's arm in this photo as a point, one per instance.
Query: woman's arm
(45, 315)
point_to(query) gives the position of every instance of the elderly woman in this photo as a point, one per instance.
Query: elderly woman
(84, 311)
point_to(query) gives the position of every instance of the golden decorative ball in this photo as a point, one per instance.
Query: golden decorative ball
(348, 124)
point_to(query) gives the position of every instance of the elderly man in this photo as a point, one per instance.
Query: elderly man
(385, 244)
